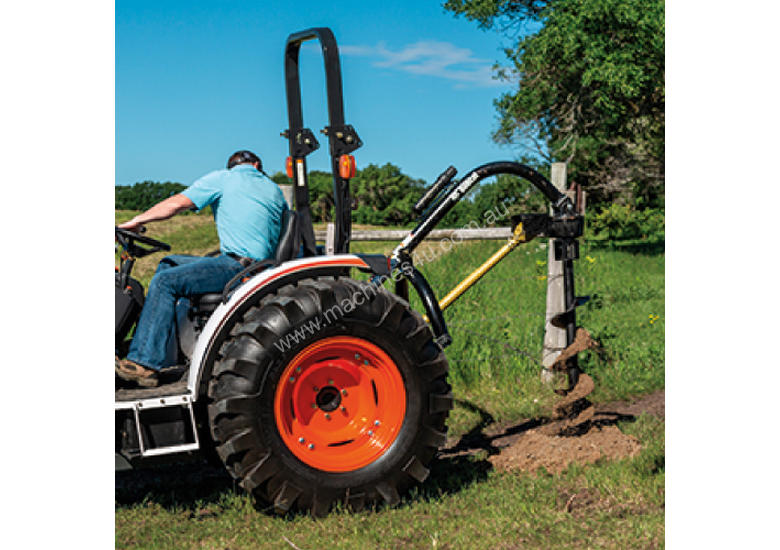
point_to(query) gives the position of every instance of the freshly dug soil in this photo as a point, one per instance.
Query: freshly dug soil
(535, 449)
(583, 435)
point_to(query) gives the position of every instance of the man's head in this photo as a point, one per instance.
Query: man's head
(245, 157)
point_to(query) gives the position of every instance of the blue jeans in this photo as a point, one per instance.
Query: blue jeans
(177, 276)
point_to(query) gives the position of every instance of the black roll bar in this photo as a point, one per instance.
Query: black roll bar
(342, 137)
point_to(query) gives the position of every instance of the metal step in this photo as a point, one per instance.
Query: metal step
(169, 418)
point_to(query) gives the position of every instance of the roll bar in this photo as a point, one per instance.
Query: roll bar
(342, 137)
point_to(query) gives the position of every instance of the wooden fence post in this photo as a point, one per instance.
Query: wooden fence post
(554, 337)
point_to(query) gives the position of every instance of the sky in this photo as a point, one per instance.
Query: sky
(196, 81)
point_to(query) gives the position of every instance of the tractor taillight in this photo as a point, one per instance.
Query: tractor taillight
(347, 167)
(289, 167)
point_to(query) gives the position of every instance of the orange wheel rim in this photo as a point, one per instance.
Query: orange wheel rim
(340, 404)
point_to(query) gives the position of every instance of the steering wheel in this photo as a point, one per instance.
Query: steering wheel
(127, 238)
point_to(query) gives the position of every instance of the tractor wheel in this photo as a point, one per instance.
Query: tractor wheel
(315, 400)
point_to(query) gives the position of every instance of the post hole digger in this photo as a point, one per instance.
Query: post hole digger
(310, 386)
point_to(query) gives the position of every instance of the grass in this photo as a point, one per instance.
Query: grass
(498, 328)
(498, 325)
(464, 504)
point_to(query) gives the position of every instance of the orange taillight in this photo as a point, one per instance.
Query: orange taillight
(347, 167)
(289, 167)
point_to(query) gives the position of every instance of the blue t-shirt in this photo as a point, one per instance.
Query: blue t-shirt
(247, 209)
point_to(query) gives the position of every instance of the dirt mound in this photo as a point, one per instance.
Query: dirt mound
(577, 432)
(535, 449)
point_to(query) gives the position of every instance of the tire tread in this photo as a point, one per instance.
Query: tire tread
(237, 377)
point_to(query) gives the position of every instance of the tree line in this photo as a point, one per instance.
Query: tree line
(145, 194)
(384, 196)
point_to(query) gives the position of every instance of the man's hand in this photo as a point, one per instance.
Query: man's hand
(132, 225)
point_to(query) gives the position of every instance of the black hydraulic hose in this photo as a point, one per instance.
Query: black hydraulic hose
(561, 204)
(432, 308)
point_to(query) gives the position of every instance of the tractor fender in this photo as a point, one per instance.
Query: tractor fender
(249, 293)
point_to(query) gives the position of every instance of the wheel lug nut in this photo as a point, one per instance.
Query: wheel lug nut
(343, 392)
(301, 440)
(314, 405)
(297, 369)
(357, 356)
(316, 388)
(327, 416)
(292, 379)
(311, 446)
(330, 382)
(376, 422)
(370, 433)
(365, 361)
(343, 409)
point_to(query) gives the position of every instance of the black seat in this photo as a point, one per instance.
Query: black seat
(289, 238)
(287, 249)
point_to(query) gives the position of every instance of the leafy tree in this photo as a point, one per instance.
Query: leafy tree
(591, 88)
(505, 14)
(385, 195)
(515, 195)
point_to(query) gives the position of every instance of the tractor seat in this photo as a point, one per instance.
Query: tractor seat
(287, 249)
(289, 238)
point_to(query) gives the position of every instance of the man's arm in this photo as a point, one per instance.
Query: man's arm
(160, 211)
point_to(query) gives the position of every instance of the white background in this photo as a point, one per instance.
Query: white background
(57, 119)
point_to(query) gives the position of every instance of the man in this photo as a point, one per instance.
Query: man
(247, 211)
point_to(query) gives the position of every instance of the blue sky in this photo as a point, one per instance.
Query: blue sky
(196, 81)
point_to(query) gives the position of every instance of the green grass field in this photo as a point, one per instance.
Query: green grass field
(498, 329)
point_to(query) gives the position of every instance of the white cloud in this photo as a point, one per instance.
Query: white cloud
(431, 58)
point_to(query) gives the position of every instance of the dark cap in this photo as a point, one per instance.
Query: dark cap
(244, 157)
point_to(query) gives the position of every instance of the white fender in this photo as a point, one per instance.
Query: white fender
(256, 284)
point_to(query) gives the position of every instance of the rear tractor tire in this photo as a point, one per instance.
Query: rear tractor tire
(313, 402)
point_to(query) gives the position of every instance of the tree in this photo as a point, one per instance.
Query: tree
(385, 195)
(504, 14)
(590, 88)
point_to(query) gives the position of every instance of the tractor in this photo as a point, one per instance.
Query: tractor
(313, 387)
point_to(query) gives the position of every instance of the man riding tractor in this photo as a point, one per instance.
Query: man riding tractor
(248, 209)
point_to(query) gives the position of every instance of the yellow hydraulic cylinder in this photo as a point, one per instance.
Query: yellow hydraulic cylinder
(518, 237)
